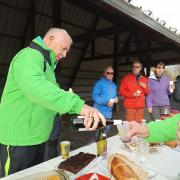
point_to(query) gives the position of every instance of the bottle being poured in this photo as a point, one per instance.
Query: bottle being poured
(77, 124)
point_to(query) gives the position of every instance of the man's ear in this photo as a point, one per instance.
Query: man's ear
(51, 38)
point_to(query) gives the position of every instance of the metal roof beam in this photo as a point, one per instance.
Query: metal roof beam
(130, 54)
(56, 10)
(57, 14)
(98, 33)
(10, 36)
(96, 21)
(30, 23)
(42, 14)
(170, 61)
(115, 60)
(13, 7)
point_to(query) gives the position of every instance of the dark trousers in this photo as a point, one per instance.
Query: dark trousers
(157, 111)
(17, 158)
(52, 146)
(52, 149)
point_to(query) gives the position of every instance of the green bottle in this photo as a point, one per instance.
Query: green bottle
(101, 142)
(77, 123)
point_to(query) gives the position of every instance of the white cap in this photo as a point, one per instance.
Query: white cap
(117, 122)
(143, 122)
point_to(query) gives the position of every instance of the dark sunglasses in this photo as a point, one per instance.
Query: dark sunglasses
(109, 73)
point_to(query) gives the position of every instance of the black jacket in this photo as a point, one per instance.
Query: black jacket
(175, 97)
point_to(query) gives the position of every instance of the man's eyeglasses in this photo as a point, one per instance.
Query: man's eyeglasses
(109, 73)
(136, 66)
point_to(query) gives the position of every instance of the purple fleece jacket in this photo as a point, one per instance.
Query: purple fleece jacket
(158, 91)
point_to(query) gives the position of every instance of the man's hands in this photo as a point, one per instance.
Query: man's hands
(136, 94)
(111, 102)
(172, 86)
(92, 115)
(116, 100)
(150, 109)
(136, 129)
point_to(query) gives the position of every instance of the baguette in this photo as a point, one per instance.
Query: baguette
(123, 169)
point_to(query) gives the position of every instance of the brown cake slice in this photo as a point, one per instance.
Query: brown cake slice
(75, 163)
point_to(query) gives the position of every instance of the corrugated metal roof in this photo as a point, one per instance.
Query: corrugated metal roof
(44, 6)
(77, 15)
(10, 22)
(137, 14)
(76, 20)
(17, 3)
(6, 46)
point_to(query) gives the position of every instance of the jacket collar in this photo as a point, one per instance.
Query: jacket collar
(106, 79)
(153, 76)
(47, 52)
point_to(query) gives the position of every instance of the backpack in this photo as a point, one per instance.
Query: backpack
(44, 52)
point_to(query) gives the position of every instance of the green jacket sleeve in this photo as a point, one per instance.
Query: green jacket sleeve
(163, 131)
(27, 70)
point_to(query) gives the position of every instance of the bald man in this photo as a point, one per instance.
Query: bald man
(31, 99)
(104, 93)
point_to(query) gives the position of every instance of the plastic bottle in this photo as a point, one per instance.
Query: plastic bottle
(142, 148)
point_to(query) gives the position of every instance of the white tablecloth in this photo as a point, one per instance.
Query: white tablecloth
(166, 162)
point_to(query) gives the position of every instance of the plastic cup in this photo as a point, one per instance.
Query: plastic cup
(122, 131)
(171, 82)
(170, 88)
(139, 92)
(65, 149)
(112, 100)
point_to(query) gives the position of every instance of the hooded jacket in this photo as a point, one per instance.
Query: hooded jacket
(158, 91)
(103, 91)
(31, 99)
(130, 85)
(175, 96)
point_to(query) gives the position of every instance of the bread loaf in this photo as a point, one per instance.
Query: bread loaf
(120, 170)
(123, 169)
